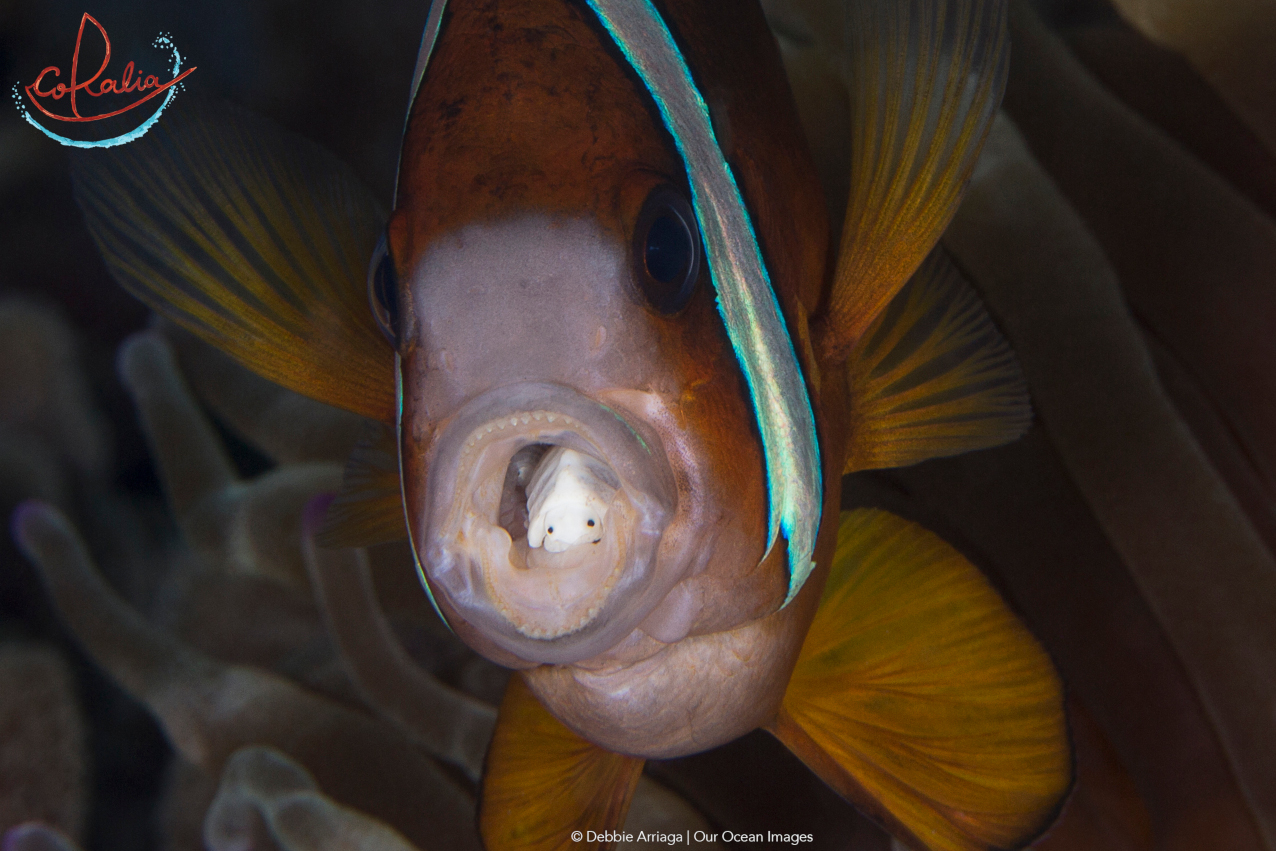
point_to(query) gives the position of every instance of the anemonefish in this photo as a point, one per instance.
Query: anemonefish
(621, 368)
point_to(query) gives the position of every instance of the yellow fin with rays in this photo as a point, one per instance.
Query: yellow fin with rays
(542, 781)
(369, 508)
(255, 240)
(922, 699)
(923, 80)
(933, 376)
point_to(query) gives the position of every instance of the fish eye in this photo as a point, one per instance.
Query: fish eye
(666, 249)
(383, 291)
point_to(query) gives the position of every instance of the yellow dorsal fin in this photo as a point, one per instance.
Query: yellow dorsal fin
(922, 699)
(542, 781)
(924, 79)
(933, 376)
(369, 508)
(255, 240)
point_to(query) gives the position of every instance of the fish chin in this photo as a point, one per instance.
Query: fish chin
(671, 700)
(527, 596)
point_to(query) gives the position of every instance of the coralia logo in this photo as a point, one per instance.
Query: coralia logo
(45, 94)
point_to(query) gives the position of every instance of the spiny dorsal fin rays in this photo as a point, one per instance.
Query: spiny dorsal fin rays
(746, 301)
(924, 78)
(254, 240)
(542, 781)
(921, 698)
(932, 376)
(369, 508)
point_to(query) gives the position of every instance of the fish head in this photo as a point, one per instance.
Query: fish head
(582, 472)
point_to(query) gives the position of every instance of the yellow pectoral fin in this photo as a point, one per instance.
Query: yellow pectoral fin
(369, 508)
(933, 376)
(542, 781)
(921, 698)
(254, 240)
(923, 79)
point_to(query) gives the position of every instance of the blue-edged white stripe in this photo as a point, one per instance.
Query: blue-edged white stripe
(746, 299)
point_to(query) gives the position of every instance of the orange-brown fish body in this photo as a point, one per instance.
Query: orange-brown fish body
(530, 152)
(577, 426)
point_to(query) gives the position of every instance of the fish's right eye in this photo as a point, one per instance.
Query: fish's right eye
(666, 250)
(383, 291)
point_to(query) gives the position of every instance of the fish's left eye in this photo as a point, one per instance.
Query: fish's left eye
(666, 250)
(383, 291)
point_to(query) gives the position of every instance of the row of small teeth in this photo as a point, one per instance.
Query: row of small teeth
(513, 420)
(601, 595)
(557, 633)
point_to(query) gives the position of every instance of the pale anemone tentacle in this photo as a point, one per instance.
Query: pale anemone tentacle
(235, 524)
(261, 788)
(43, 750)
(450, 724)
(36, 836)
(209, 709)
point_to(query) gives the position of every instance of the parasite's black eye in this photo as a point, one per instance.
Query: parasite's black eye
(667, 249)
(383, 291)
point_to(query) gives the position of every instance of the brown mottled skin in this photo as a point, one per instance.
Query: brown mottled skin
(528, 108)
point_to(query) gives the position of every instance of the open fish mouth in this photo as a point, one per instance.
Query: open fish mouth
(544, 516)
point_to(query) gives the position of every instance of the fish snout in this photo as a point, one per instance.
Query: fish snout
(542, 523)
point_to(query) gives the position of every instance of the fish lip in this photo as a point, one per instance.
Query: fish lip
(631, 449)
